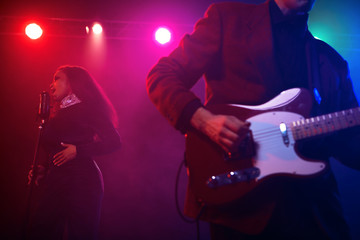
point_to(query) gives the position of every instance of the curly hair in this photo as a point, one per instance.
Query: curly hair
(88, 90)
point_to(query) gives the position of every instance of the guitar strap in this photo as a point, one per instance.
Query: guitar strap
(313, 72)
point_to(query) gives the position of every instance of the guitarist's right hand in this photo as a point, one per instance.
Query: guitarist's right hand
(227, 131)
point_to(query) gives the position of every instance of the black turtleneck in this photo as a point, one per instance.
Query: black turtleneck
(289, 43)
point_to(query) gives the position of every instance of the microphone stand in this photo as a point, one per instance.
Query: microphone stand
(32, 182)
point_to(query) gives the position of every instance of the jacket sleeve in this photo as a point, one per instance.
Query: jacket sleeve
(337, 84)
(170, 80)
(345, 145)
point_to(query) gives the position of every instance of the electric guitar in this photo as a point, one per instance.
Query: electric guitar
(217, 177)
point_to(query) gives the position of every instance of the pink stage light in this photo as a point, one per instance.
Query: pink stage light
(33, 31)
(97, 29)
(162, 35)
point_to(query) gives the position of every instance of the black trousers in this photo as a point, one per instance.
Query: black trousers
(72, 201)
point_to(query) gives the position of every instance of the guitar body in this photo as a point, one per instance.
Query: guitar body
(216, 179)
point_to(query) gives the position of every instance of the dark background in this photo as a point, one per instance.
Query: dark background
(139, 200)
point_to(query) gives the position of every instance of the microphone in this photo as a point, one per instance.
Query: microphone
(44, 105)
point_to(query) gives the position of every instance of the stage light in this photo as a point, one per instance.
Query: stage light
(97, 29)
(162, 35)
(33, 31)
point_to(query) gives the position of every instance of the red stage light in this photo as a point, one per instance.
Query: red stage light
(162, 35)
(33, 31)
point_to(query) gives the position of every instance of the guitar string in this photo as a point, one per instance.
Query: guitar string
(268, 134)
(304, 131)
(320, 125)
(309, 130)
(276, 134)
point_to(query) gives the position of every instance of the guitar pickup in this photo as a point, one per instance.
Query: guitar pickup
(284, 134)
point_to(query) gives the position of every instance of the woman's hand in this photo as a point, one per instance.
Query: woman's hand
(66, 155)
(41, 172)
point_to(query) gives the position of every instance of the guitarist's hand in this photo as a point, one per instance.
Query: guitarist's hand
(227, 131)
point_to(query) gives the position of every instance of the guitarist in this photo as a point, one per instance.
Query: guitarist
(248, 54)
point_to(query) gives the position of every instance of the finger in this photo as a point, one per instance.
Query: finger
(58, 159)
(242, 131)
(235, 134)
(58, 163)
(226, 144)
(57, 154)
(61, 162)
(228, 134)
(234, 124)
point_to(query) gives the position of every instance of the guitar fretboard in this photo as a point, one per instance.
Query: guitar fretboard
(324, 124)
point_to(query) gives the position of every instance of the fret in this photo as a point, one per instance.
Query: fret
(336, 121)
(357, 115)
(300, 130)
(317, 126)
(307, 127)
(293, 130)
(312, 126)
(327, 123)
(350, 118)
(343, 120)
(296, 130)
(304, 128)
(325, 127)
(353, 116)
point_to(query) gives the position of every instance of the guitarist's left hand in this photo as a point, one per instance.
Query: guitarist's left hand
(226, 131)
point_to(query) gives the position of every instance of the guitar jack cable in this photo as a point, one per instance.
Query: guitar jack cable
(185, 219)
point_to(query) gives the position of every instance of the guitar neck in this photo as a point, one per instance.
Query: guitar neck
(325, 124)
